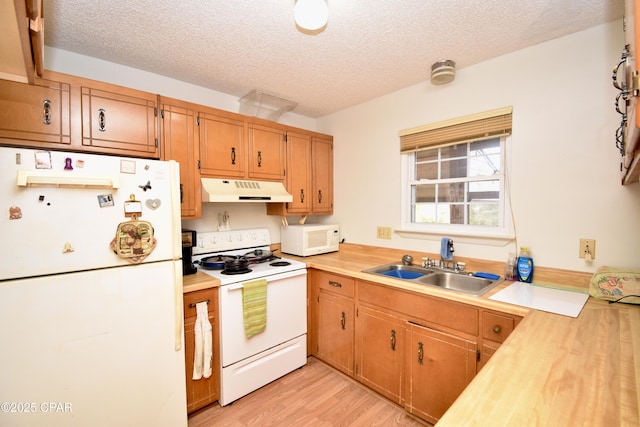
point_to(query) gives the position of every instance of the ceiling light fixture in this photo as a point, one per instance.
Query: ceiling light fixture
(311, 14)
(443, 72)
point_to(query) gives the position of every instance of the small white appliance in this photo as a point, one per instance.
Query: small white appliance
(309, 239)
(90, 291)
(237, 257)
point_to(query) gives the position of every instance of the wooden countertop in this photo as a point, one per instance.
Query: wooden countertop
(198, 281)
(552, 370)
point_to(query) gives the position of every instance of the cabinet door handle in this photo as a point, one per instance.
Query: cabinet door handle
(259, 159)
(497, 329)
(102, 120)
(46, 112)
(319, 196)
(343, 320)
(233, 155)
(181, 193)
(302, 195)
(420, 353)
(335, 284)
(393, 340)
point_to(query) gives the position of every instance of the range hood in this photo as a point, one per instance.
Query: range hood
(237, 190)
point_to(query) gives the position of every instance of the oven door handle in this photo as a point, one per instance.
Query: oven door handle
(237, 286)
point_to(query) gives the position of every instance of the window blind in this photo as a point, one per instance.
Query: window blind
(490, 124)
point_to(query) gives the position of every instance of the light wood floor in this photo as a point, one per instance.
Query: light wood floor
(315, 395)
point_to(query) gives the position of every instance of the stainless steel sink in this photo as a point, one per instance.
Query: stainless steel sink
(400, 271)
(459, 282)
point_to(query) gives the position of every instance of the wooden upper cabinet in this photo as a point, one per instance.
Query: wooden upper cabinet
(309, 176)
(22, 40)
(266, 152)
(180, 143)
(222, 146)
(322, 167)
(120, 122)
(35, 115)
(298, 180)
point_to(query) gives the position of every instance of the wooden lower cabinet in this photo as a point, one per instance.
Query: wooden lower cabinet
(335, 331)
(332, 326)
(495, 327)
(416, 350)
(438, 368)
(204, 391)
(380, 347)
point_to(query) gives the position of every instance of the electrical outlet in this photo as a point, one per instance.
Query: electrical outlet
(384, 233)
(587, 247)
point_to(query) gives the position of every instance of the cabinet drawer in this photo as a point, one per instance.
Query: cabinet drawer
(335, 283)
(419, 308)
(497, 327)
(192, 298)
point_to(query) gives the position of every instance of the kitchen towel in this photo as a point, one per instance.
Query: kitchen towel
(254, 307)
(203, 353)
(445, 253)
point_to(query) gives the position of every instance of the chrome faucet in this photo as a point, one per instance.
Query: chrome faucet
(445, 265)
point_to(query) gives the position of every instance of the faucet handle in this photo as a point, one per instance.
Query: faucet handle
(460, 266)
(428, 262)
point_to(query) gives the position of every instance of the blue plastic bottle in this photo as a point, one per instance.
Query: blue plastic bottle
(525, 266)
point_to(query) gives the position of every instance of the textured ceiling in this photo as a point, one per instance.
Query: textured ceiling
(369, 47)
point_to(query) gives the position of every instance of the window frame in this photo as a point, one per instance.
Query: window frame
(501, 234)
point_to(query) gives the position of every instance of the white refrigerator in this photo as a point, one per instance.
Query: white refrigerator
(90, 291)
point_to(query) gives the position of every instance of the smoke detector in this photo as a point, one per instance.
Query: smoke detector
(443, 72)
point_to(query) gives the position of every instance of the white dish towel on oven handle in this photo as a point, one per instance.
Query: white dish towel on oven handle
(203, 353)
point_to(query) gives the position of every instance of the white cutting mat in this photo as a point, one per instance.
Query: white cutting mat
(567, 303)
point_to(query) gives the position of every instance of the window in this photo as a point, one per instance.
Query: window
(454, 180)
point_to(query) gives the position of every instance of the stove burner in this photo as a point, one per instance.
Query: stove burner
(232, 272)
(280, 263)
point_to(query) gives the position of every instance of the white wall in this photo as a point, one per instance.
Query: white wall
(564, 164)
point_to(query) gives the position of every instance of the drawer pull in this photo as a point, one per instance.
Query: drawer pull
(343, 320)
(46, 112)
(335, 284)
(393, 340)
(497, 329)
(102, 120)
(193, 304)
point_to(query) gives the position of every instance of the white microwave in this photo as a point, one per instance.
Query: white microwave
(309, 239)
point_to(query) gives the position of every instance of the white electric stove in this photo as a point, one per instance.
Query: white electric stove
(250, 363)
(237, 243)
